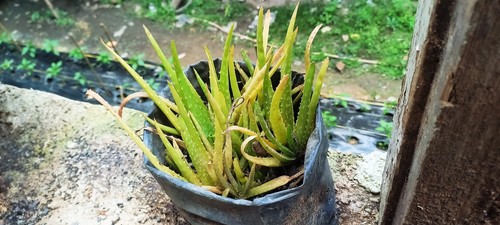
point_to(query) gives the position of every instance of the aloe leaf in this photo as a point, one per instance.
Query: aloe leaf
(214, 84)
(218, 156)
(264, 161)
(318, 83)
(267, 94)
(261, 51)
(204, 140)
(178, 158)
(265, 30)
(267, 131)
(164, 128)
(228, 163)
(275, 117)
(247, 61)
(235, 90)
(224, 76)
(166, 64)
(137, 140)
(264, 143)
(302, 133)
(190, 98)
(268, 186)
(249, 181)
(307, 53)
(197, 152)
(243, 74)
(238, 172)
(289, 39)
(211, 100)
(145, 86)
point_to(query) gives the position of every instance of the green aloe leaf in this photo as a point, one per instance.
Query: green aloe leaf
(190, 97)
(197, 152)
(315, 96)
(224, 75)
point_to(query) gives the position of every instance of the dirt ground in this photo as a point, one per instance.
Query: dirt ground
(126, 29)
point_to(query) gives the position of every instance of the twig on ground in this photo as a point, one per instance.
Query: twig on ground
(51, 8)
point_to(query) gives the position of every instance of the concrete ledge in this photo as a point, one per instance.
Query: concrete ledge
(68, 162)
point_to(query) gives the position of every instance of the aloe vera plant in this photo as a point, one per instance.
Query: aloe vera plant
(247, 126)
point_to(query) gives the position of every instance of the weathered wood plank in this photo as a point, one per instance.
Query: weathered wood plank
(444, 160)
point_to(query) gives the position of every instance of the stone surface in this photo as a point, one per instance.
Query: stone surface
(370, 169)
(66, 162)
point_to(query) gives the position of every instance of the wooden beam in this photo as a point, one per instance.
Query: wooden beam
(444, 159)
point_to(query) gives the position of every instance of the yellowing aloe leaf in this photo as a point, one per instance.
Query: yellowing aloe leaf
(137, 140)
(178, 158)
(275, 117)
(268, 186)
(145, 86)
(264, 161)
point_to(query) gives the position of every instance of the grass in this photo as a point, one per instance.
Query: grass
(381, 32)
(211, 10)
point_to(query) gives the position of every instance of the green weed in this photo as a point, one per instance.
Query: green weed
(381, 31)
(330, 120)
(385, 128)
(76, 54)
(49, 46)
(6, 64)
(136, 61)
(27, 66)
(54, 70)
(103, 58)
(29, 49)
(80, 78)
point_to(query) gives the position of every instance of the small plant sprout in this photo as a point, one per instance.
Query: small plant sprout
(54, 70)
(385, 128)
(29, 50)
(389, 107)
(103, 58)
(330, 120)
(364, 107)
(7, 64)
(64, 19)
(80, 78)
(49, 46)
(27, 66)
(4, 38)
(341, 100)
(136, 61)
(153, 84)
(76, 54)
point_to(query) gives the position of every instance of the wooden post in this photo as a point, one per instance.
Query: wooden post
(443, 165)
